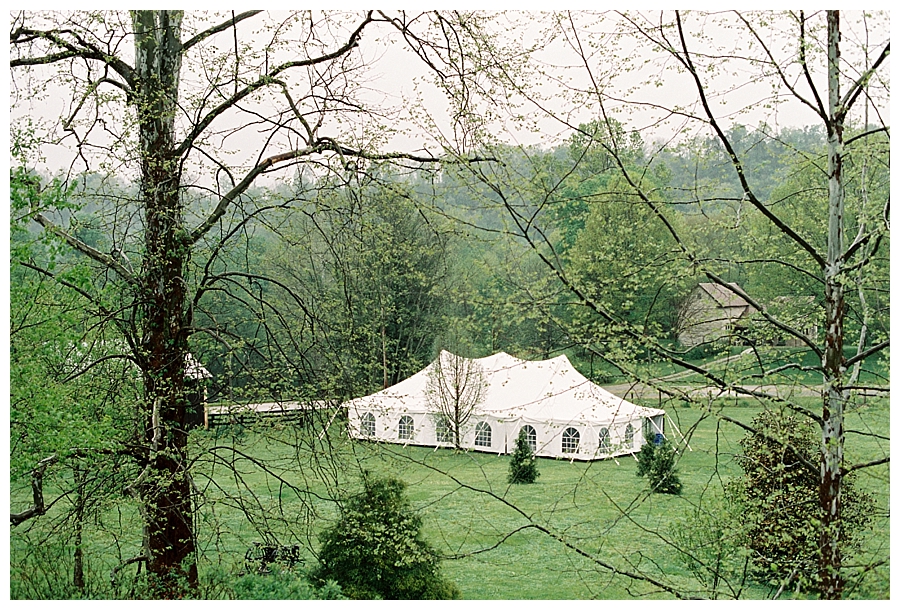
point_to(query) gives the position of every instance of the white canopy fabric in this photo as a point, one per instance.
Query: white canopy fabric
(567, 415)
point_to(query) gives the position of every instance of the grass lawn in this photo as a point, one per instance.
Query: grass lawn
(745, 369)
(502, 541)
(491, 531)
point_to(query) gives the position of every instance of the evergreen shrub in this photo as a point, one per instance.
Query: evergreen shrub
(657, 462)
(376, 549)
(522, 466)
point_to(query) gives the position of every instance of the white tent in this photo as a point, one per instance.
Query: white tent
(564, 413)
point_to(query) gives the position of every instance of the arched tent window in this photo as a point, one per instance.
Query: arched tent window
(441, 430)
(483, 434)
(530, 437)
(629, 436)
(570, 438)
(406, 428)
(604, 440)
(367, 424)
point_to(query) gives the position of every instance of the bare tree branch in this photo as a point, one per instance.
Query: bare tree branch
(849, 469)
(865, 354)
(267, 80)
(859, 86)
(81, 48)
(688, 63)
(230, 23)
(82, 247)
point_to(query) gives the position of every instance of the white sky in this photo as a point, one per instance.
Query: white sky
(398, 70)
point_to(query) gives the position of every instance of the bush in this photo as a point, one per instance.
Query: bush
(522, 467)
(709, 542)
(281, 586)
(779, 497)
(376, 550)
(657, 463)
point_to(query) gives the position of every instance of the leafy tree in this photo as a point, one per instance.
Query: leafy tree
(145, 100)
(642, 288)
(811, 64)
(376, 549)
(658, 462)
(778, 496)
(65, 371)
(522, 465)
(374, 272)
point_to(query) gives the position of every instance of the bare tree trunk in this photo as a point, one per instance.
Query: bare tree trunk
(80, 476)
(832, 450)
(384, 362)
(164, 347)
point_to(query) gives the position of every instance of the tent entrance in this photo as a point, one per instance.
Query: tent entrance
(654, 428)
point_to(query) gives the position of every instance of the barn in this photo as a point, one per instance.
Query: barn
(710, 313)
(563, 413)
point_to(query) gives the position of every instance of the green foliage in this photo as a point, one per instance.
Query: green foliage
(522, 466)
(779, 497)
(365, 273)
(643, 289)
(376, 549)
(710, 543)
(284, 585)
(658, 463)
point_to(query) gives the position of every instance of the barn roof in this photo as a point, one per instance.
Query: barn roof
(722, 296)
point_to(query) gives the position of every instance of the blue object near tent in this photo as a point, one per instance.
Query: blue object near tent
(659, 439)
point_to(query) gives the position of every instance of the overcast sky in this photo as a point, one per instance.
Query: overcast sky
(398, 73)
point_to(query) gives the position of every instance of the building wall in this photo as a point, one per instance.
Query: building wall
(504, 434)
(703, 320)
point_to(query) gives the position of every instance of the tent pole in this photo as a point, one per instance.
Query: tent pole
(679, 432)
(330, 421)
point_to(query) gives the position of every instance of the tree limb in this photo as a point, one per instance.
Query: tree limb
(321, 145)
(866, 134)
(85, 51)
(863, 355)
(266, 80)
(688, 63)
(85, 249)
(37, 492)
(859, 86)
(784, 79)
(849, 469)
(762, 311)
(238, 189)
(218, 28)
(809, 79)
(38, 506)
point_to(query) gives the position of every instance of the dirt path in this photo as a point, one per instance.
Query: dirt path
(647, 393)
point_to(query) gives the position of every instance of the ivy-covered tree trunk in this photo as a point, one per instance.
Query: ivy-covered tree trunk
(832, 452)
(166, 490)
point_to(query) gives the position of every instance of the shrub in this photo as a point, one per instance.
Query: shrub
(657, 462)
(709, 542)
(376, 550)
(779, 497)
(280, 585)
(522, 467)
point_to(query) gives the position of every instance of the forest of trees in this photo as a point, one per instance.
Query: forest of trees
(327, 265)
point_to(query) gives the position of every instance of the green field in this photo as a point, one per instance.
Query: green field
(744, 368)
(549, 540)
